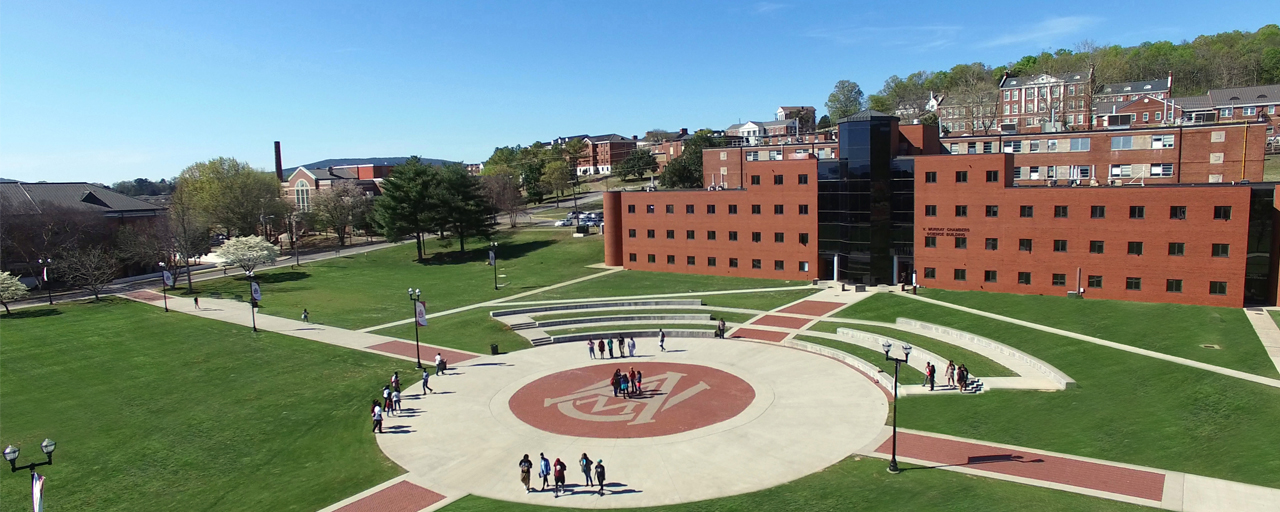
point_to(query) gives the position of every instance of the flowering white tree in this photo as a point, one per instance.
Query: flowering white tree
(11, 289)
(248, 252)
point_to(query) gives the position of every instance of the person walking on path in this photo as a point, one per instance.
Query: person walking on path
(306, 316)
(631, 346)
(426, 375)
(395, 399)
(544, 469)
(600, 347)
(600, 475)
(439, 364)
(721, 327)
(395, 379)
(386, 394)
(377, 417)
(591, 348)
(662, 340)
(558, 470)
(610, 344)
(526, 466)
(585, 463)
(931, 372)
(951, 373)
(197, 299)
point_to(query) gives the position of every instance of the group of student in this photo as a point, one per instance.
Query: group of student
(390, 402)
(628, 384)
(557, 470)
(624, 346)
(957, 376)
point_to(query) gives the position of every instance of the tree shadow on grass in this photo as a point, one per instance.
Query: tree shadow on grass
(481, 253)
(31, 313)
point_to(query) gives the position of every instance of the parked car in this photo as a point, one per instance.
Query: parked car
(564, 222)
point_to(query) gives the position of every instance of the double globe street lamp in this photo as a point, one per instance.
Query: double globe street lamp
(415, 298)
(11, 455)
(897, 364)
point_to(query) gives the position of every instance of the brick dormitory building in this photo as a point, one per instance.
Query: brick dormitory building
(1172, 214)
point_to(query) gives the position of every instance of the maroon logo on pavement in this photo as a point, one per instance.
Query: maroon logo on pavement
(674, 398)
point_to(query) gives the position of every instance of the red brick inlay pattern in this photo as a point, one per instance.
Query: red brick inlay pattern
(812, 308)
(403, 348)
(146, 295)
(1060, 470)
(400, 497)
(758, 334)
(788, 322)
(677, 398)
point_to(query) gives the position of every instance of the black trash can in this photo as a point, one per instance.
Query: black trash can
(493, 348)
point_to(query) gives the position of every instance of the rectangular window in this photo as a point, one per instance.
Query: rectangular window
(711, 209)
(804, 239)
(1059, 280)
(802, 179)
(1135, 248)
(777, 179)
(755, 179)
(1119, 143)
(671, 259)
(650, 234)
(688, 235)
(993, 210)
(755, 209)
(1178, 212)
(648, 208)
(733, 262)
(961, 242)
(1221, 250)
(671, 234)
(1095, 281)
(653, 258)
(987, 146)
(755, 236)
(930, 241)
(962, 176)
(632, 257)
(1226, 112)
(958, 274)
(1024, 244)
(1146, 117)
(803, 209)
(1177, 248)
(1060, 212)
(777, 209)
(804, 266)
(989, 276)
(930, 177)
(733, 236)
(688, 209)
(711, 235)
(775, 154)
(1098, 212)
(631, 233)
(690, 260)
(1249, 111)
(1161, 170)
(962, 210)
(930, 273)
(1173, 285)
(778, 238)
(711, 261)
(755, 264)
(1137, 212)
(733, 209)
(1059, 246)
(777, 265)
(1026, 211)
(631, 208)
(993, 244)
(671, 208)
(930, 210)
(1221, 213)
(1133, 283)
(1161, 141)
(993, 176)
(1217, 287)
(1096, 247)
(1024, 278)
(1034, 146)
(753, 156)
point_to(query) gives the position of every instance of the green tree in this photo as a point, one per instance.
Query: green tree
(234, 195)
(824, 122)
(881, 103)
(457, 206)
(685, 171)
(557, 177)
(11, 289)
(402, 209)
(189, 227)
(845, 100)
(340, 207)
(636, 164)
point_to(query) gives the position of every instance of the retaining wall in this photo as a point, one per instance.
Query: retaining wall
(1045, 369)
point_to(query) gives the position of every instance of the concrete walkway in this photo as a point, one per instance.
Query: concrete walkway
(1267, 331)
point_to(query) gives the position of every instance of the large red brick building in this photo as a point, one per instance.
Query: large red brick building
(885, 206)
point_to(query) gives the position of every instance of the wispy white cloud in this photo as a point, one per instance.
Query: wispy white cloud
(1045, 32)
(765, 7)
(914, 37)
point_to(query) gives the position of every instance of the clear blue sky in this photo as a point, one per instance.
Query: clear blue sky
(106, 91)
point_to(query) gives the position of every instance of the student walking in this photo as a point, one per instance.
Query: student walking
(526, 466)
(962, 377)
(395, 400)
(377, 417)
(306, 316)
(386, 394)
(722, 328)
(544, 469)
(395, 379)
(440, 364)
(631, 378)
(585, 463)
(426, 375)
(631, 346)
(951, 373)
(558, 470)
(591, 348)
(600, 475)
(662, 340)
(610, 347)
(197, 299)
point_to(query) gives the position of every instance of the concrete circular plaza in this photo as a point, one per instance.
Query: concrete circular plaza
(715, 418)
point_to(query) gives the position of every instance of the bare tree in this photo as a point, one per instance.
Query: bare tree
(341, 207)
(503, 192)
(189, 228)
(91, 268)
(48, 229)
(145, 243)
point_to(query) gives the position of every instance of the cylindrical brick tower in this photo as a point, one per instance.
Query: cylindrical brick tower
(613, 229)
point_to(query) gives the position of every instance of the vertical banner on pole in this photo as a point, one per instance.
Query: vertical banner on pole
(493, 259)
(255, 291)
(420, 313)
(168, 279)
(37, 491)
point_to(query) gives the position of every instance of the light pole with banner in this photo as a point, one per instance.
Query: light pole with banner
(419, 320)
(37, 480)
(255, 295)
(493, 262)
(897, 363)
(168, 282)
(45, 263)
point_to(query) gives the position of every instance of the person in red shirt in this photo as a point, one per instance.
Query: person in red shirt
(559, 468)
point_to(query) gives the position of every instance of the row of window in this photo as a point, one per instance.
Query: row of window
(1130, 283)
(774, 154)
(1095, 246)
(733, 209)
(1248, 111)
(1095, 212)
(778, 179)
(1019, 146)
(711, 235)
(711, 262)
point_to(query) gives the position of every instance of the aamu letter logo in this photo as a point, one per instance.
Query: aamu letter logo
(597, 403)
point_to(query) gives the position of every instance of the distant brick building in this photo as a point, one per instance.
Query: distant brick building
(1247, 104)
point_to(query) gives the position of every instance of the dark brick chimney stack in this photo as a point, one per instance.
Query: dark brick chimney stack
(279, 167)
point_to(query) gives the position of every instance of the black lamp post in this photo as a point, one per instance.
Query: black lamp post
(11, 455)
(414, 297)
(253, 301)
(897, 363)
(45, 263)
(493, 261)
(164, 286)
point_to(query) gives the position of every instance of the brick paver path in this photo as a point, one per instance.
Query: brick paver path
(812, 307)
(400, 497)
(758, 334)
(1059, 470)
(403, 348)
(788, 322)
(145, 295)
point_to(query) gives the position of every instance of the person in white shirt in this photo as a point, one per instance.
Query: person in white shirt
(631, 346)
(395, 400)
(426, 376)
(377, 417)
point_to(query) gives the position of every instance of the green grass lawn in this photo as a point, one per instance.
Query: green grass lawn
(1173, 329)
(908, 375)
(728, 316)
(606, 329)
(762, 301)
(472, 331)
(1275, 315)
(368, 289)
(638, 282)
(1125, 407)
(863, 484)
(156, 411)
(1271, 168)
(978, 365)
